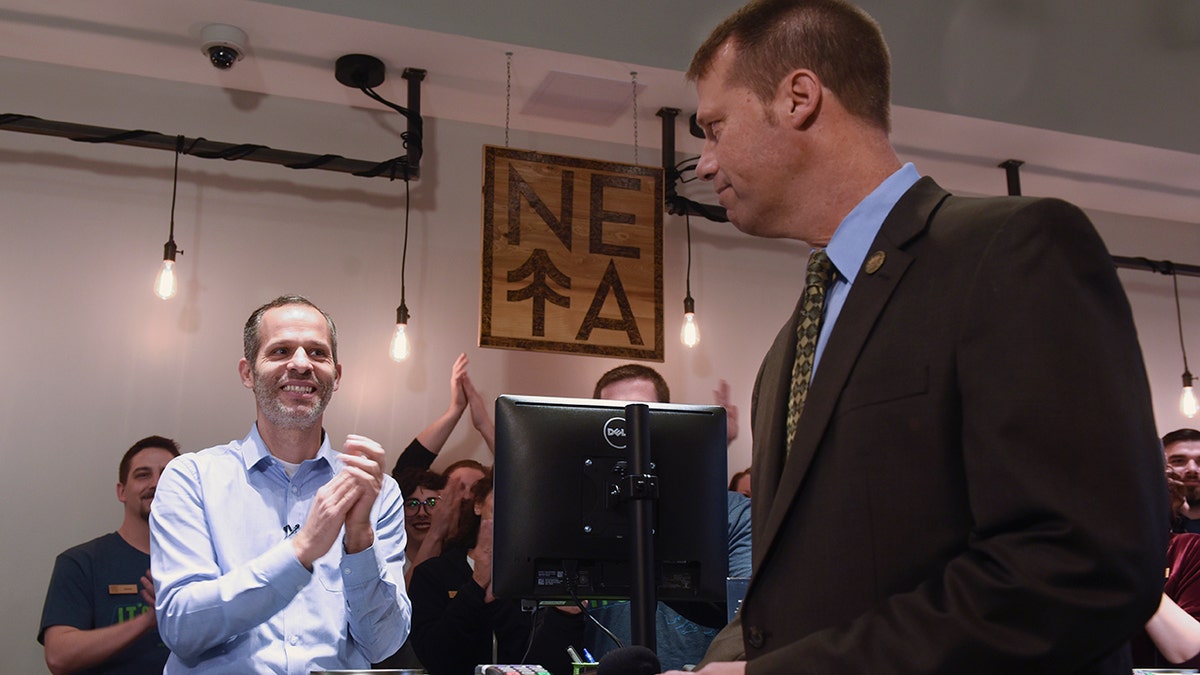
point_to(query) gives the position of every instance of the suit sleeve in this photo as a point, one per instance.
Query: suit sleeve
(1063, 478)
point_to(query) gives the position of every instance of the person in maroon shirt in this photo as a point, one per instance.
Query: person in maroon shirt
(1173, 633)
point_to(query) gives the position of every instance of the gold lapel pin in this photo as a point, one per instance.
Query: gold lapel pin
(875, 262)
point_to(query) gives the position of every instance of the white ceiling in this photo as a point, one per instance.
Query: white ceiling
(464, 46)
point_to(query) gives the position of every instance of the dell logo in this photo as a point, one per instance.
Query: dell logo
(614, 432)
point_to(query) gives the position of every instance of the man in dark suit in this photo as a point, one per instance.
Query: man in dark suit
(973, 483)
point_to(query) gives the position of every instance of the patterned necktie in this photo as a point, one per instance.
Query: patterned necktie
(820, 273)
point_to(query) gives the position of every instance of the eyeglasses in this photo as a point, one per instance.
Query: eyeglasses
(416, 504)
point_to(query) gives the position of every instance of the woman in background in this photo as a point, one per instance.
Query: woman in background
(456, 619)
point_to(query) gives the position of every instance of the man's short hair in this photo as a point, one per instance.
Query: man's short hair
(147, 442)
(252, 340)
(839, 42)
(634, 371)
(1180, 435)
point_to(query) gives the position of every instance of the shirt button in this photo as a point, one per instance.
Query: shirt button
(295, 640)
(346, 570)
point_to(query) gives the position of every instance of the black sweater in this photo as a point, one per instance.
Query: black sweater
(452, 626)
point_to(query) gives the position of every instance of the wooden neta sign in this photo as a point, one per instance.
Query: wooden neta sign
(572, 255)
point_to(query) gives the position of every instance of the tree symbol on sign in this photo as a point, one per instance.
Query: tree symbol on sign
(539, 266)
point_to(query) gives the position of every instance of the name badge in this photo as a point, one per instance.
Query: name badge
(122, 589)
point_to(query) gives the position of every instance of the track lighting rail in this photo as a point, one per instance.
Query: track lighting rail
(675, 203)
(1161, 266)
(201, 147)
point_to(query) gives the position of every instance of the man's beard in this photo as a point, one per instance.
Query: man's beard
(268, 396)
(143, 507)
(1192, 493)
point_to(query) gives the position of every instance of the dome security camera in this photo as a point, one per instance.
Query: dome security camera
(223, 45)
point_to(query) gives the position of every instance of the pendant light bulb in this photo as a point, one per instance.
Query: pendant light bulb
(400, 348)
(689, 335)
(1187, 401)
(165, 284)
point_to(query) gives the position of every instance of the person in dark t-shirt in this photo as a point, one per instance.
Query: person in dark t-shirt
(99, 612)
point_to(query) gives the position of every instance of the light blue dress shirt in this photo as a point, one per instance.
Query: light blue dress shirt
(852, 241)
(231, 595)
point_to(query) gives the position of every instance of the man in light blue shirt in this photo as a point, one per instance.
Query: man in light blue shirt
(276, 553)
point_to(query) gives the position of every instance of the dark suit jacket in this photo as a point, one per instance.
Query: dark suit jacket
(976, 484)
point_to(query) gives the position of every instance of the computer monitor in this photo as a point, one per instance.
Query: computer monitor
(559, 526)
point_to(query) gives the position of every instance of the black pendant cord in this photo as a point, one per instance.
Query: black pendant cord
(404, 251)
(413, 140)
(1187, 372)
(170, 250)
(687, 221)
(175, 187)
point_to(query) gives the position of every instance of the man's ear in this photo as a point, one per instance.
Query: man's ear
(244, 371)
(802, 94)
(121, 492)
(337, 376)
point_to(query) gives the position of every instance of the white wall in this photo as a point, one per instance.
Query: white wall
(96, 361)
(1153, 301)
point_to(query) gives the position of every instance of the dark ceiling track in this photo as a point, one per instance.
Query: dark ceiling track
(365, 72)
(406, 167)
(1160, 266)
(201, 147)
(1012, 172)
(677, 204)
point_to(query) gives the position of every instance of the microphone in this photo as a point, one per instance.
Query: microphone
(633, 660)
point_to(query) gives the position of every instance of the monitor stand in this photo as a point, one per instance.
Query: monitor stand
(640, 491)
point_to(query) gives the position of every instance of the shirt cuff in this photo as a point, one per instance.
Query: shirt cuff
(284, 569)
(359, 569)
